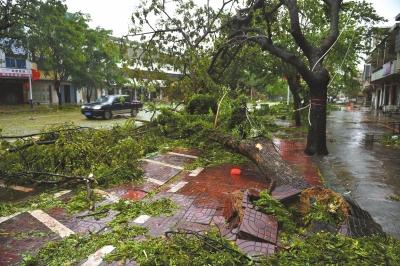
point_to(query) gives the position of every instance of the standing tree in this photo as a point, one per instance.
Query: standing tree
(263, 22)
(99, 67)
(14, 15)
(180, 38)
(56, 42)
(293, 31)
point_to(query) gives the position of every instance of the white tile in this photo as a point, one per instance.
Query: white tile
(183, 155)
(163, 164)
(96, 258)
(52, 223)
(5, 218)
(61, 193)
(155, 181)
(141, 219)
(196, 171)
(177, 186)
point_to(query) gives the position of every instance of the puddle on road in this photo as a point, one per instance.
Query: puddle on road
(368, 169)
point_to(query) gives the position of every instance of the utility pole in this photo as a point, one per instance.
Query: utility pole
(30, 90)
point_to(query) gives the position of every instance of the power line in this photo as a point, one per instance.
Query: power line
(330, 48)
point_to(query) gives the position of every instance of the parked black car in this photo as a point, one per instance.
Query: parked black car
(109, 105)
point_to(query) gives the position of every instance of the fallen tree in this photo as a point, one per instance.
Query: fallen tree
(260, 150)
(264, 154)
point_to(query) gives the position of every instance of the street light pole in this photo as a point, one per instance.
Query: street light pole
(288, 95)
(30, 90)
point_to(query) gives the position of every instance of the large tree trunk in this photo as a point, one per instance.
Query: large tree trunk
(88, 94)
(265, 155)
(57, 85)
(316, 139)
(295, 87)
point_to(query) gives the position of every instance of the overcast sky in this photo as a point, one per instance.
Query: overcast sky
(115, 15)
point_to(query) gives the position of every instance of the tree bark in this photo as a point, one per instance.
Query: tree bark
(57, 85)
(295, 86)
(316, 138)
(88, 94)
(264, 154)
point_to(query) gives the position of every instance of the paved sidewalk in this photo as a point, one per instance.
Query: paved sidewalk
(201, 194)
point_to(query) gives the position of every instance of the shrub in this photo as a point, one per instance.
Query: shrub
(201, 104)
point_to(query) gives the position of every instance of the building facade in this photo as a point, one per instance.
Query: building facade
(381, 76)
(16, 71)
(17, 74)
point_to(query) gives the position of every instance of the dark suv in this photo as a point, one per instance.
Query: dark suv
(109, 105)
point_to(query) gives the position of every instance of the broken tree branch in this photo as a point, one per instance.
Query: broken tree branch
(41, 133)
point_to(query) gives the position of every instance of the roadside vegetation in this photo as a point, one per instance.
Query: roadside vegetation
(392, 140)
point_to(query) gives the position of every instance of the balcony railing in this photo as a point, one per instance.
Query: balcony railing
(386, 70)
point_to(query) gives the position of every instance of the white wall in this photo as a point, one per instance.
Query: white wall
(40, 91)
(2, 59)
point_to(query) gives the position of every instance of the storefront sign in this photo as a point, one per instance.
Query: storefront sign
(15, 73)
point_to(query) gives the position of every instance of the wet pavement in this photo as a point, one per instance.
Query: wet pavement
(292, 151)
(205, 197)
(368, 172)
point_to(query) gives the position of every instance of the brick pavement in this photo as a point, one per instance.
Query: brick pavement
(204, 197)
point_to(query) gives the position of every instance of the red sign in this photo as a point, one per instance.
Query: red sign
(35, 74)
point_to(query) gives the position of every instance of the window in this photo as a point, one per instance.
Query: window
(10, 62)
(21, 63)
(15, 63)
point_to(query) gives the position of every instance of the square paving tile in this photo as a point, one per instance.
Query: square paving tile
(159, 225)
(147, 186)
(228, 233)
(284, 193)
(183, 201)
(248, 197)
(253, 248)
(259, 226)
(190, 226)
(83, 225)
(22, 234)
(199, 215)
(173, 159)
(158, 172)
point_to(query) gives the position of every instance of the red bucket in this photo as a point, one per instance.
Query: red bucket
(236, 171)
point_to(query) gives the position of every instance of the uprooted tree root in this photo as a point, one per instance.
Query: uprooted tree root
(322, 204)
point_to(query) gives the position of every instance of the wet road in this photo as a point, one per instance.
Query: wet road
(368, 172)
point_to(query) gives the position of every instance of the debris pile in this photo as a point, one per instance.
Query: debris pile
(256, 231)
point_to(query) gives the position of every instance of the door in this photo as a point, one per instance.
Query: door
(67, 94)
(394, 96)
(11, 91)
